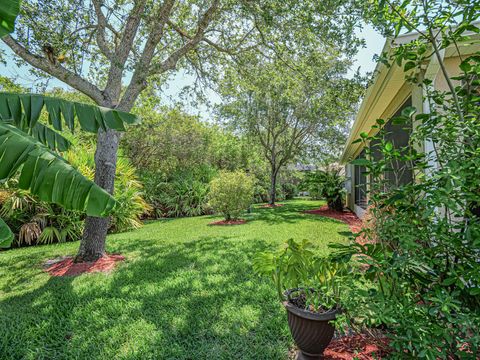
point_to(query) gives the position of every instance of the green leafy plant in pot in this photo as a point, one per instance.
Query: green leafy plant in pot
(309, 287)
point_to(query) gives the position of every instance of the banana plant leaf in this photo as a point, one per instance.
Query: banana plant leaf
(9, 10)
(6, 235)
(49, 176)
(23, 112)
(49, 137)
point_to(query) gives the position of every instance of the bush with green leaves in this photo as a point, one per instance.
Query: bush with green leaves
(422, 275)
(289, 190)
(231, 193)
(178, 155)
(37, 222)
(183, 195)
(326, 184)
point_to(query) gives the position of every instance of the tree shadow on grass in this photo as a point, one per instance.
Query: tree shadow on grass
(346, 233)
(291, 212)
(192, 300)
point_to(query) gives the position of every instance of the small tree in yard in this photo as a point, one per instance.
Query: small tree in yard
(289, 110)
(231, 193)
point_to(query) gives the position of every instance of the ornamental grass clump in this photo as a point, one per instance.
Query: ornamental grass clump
(231, 193)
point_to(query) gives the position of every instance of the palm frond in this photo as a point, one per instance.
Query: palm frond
(6, 235)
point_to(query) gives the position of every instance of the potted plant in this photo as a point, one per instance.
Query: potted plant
(308, 286)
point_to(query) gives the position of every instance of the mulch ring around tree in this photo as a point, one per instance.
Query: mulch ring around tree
(346, 216)
(65, 266)
(269, 206)
(229, 222)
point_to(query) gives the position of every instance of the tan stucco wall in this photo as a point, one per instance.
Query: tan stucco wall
(452, 67)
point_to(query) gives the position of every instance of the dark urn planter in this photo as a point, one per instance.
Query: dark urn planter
(312, 332)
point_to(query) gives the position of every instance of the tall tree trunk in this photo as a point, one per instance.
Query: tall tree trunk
(273, 186)
(92, 245)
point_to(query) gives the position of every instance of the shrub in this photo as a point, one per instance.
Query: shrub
(183, 194)
(289, 190)
(37, 222)
(179, 154)
(326, 184)
(231, 193)
(260, 193)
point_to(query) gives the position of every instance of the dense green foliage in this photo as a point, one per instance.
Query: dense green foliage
(231, 193)
(185, 291)
(177, 155)
(38, 168)
(37, 222)
(424, 268)
(326, 184)
(32, 219)
(129, 192)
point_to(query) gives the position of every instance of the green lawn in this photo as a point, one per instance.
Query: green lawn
(185, 291)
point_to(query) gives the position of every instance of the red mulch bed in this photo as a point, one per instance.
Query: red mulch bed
(66, 267)
(360, 346)
(346, 216)
(229, 222)
(271, 206)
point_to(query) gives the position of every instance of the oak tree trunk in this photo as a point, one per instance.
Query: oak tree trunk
(92, 245)
(273, 187)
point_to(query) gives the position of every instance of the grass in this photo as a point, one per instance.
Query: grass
(185, 291)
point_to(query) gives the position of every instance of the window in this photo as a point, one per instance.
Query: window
(360, 178)
(400, 172)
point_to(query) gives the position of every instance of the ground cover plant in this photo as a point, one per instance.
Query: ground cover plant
(186, 290)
